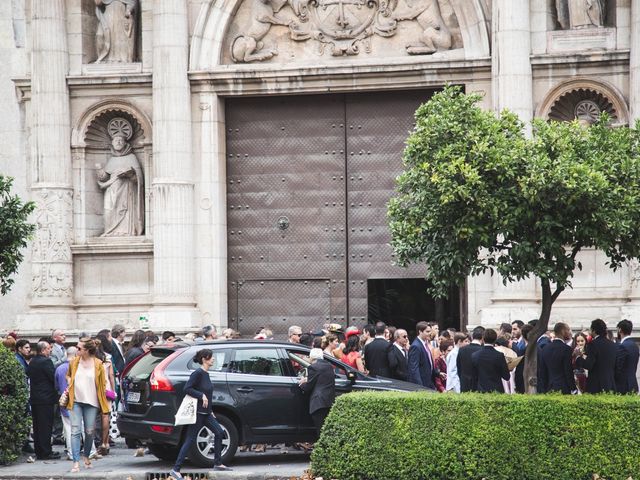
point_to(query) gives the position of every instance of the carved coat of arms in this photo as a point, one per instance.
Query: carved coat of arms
(344, 26)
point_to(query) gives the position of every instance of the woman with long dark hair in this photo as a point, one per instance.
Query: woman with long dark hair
(135, 347)
(199, 386)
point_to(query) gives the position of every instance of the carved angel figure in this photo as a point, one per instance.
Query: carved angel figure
(116, 34)
(122, 182)
(576, 14)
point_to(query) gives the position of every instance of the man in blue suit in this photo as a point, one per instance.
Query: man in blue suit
(420, 364)
(555, 363)
(626, 360)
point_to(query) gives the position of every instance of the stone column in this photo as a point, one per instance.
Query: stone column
(51, 176)
(172, 184)
(211, 191)
(512, 89)
(511, 69)
(634, 64)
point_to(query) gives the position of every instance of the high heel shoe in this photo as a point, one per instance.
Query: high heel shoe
(87, 463)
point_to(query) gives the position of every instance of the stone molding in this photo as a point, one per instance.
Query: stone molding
(611, 93)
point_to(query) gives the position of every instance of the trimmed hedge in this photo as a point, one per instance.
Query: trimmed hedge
(14, 420)
(413, 436)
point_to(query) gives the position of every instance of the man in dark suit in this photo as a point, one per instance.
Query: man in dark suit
(43, 397)
(626, 360)
(376, 354)
(320, 383)
(555, 363)
(117, 349)
(463, 362)
(489, 365)
(519, 372)
(599, 359)
(398, 355)
(420, 362)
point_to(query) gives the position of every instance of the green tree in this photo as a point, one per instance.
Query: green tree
(477, 195)
(14, 232)
(14, 397)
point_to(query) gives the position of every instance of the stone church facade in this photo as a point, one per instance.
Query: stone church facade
(229, 161)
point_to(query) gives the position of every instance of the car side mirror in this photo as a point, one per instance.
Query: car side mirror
(352, 377)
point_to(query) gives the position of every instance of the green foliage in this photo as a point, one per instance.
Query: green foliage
(478, 195)
(399, 436)
(14, 421)
(14, 231)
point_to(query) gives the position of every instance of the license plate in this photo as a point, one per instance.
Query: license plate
(133, 397)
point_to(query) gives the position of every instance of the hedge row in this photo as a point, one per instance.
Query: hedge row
(479, 436)
(14, 395)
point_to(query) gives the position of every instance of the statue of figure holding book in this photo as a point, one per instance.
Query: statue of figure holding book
(123, 185)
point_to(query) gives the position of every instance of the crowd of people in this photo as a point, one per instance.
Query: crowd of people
(75, 394)
(486, 359)
(74, 389)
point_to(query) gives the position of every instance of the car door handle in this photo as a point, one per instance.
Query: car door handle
(245, 389)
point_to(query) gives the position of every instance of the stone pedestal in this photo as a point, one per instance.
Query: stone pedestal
(581, 40)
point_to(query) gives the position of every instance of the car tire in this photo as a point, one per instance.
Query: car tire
(201, 453)
(164, 452)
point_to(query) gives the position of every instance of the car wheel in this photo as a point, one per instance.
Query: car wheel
(201, 453)
(164, 452)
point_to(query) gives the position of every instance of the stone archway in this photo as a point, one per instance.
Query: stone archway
(215, 18)
(581, 98)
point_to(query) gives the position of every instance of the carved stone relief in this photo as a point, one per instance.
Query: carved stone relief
(263, 29)
(578, 14)
(51, 274)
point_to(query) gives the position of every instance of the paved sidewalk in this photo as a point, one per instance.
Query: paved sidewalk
(121, 464)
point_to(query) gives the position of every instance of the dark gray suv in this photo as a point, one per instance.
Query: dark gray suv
(256, 396)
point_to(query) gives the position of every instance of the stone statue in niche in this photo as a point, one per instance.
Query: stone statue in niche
(578, 14)
(342, 25)
(116, 34)
(122, 182)
(435, 34)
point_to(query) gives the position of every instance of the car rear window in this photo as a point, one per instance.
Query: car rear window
(142, 369)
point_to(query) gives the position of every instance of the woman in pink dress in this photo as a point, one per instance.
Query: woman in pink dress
(351, 354)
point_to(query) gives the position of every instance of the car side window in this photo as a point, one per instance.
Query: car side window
(263, 361)
(220, 362)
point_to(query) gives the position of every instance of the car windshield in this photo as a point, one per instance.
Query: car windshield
(142, 369)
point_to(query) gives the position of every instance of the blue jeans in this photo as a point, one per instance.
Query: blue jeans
(82, 412)
(202, 420)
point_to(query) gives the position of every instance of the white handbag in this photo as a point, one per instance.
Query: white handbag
(187, 412)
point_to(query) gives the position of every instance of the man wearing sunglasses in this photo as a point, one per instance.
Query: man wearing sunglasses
(398, 355)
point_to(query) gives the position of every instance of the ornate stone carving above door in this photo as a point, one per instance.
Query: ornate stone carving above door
(284, 30)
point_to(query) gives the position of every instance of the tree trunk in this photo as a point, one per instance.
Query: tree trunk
(531, 354)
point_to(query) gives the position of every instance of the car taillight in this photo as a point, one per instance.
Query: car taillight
(162, 428)
(159, 381)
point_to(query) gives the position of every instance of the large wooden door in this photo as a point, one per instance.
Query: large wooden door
(309, 178)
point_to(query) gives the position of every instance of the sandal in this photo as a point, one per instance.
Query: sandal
(87, 463)
(76, 468)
